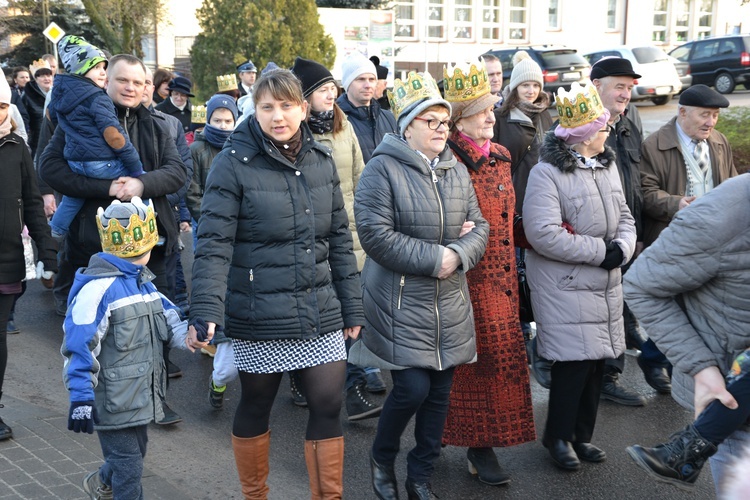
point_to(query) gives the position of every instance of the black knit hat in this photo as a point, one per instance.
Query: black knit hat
(613, 66)
(702, 96)
(313, 75)
(382, 71)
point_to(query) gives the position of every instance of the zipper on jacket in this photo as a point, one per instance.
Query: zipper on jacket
(461, 289)
(20, 212)
(437, 317)
(401, 290)
(251, 278)
(437, 284)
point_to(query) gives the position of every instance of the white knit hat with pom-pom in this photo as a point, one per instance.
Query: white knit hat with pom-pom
(525, 69)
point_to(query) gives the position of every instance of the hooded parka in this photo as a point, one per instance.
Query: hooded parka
(577, 304)
(407, 214)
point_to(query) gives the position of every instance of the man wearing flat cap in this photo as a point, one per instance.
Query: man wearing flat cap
(684, 159)
(247, 72)
(614, 79)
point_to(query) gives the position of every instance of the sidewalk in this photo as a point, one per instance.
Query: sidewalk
(44, 460)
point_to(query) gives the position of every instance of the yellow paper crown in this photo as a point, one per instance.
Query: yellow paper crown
(465, 84)
(137, 238)
(37, 65)
(578, 107)
(416, 88)
(227, 82)
(198, 114)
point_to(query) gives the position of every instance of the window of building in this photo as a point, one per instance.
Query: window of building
(553, 15)
(436, 21)
(182, 45)
(705, 18)
(406, 14)
(518, 21)
(491, 26)
(681, 21)
(612, 17)
(659, 27)
(463, 26)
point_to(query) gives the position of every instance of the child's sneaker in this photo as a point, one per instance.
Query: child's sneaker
(95, 488)
(216, 395)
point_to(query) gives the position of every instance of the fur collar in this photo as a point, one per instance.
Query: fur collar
(556, 152)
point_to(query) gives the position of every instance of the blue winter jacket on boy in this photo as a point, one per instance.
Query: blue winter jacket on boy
(114, 330)
(88, 116)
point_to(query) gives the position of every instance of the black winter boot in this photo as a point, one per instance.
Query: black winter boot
(678, 461)
(5, 431)
(613, 390)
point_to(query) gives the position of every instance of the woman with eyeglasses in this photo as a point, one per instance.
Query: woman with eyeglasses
(581, 232)
(491, 399)
(419, 223)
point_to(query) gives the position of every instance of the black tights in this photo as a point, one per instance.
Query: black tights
(6, 302)
(323, 386)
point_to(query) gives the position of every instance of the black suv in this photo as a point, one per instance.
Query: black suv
(721, 61)
(561, 66)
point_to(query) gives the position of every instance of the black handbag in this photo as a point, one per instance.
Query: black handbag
(525, 312)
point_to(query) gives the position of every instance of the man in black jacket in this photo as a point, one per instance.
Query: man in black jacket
(165, 174)
(614, 79)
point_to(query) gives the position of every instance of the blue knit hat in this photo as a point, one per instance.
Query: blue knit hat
(221, 101)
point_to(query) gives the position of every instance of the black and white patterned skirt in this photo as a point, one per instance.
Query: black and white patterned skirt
(274, 356)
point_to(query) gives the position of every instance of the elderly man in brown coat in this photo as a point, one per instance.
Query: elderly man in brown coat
(684, 159)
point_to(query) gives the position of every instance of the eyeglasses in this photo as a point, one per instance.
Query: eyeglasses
(434, 124)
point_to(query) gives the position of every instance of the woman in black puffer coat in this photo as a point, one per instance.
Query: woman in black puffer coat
(275, 267)
(20, 204)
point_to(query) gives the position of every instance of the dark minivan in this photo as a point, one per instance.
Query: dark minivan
(561, 66)
(721, 62)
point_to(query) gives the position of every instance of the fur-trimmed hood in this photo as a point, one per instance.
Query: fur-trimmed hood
(556, 152)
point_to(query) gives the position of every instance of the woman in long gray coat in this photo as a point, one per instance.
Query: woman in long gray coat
(419, 222)
(581, 232)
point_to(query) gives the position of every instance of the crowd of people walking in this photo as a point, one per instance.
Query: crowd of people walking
(350, 236)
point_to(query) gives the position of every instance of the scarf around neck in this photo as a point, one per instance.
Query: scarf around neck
(215, 136)
(485, 150)
(320, 122)
(289, 149)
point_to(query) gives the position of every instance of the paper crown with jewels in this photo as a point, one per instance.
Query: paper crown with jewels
(579, 106)
(37, 65)
(134, 239)
(465, 83)
(198, 114)
(416, 88)
(227, 82)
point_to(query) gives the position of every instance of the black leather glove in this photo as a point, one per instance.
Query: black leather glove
(613, 257)
(82, 417)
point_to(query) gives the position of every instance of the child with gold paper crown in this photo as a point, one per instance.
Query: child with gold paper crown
(114, 331)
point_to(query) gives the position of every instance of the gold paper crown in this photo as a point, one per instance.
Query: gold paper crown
(227, 82)
(416, 88)
(578, 107)
(37, 65)
(462, 85)
(198, 114)
(137, 238)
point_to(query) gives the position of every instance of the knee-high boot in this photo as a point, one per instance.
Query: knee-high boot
(251, 457)
(325, 466)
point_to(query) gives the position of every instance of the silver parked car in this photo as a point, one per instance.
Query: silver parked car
(659, 81)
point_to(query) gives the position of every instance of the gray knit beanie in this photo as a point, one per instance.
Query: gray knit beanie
(525, 69)
(356, 65)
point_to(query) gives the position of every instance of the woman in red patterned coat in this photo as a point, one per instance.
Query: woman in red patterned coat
(490, 404)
